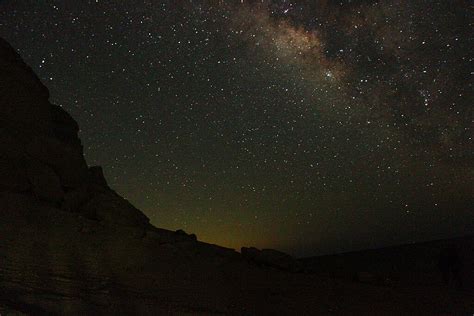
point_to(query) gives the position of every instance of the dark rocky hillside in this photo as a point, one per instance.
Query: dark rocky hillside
(416, 264)
(70, 245)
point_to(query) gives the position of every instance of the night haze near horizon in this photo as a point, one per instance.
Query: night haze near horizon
(306, 126)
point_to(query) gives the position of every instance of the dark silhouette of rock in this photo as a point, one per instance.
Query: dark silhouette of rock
(65, 128)
(67, 161)
(75, 199)
(182, 233)
(112, 208)
(41, 153)
(96, 177)
(71, 245)
(271, 258)
(403, 266)
(23, 96)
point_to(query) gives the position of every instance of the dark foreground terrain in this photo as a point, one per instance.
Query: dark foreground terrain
(71, 245)
(417, 264)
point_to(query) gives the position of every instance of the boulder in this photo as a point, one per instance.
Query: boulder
(182, 233)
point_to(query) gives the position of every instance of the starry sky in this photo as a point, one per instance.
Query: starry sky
(307, 126)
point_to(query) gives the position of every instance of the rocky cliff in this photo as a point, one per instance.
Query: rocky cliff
(70, 244)
(41, 155)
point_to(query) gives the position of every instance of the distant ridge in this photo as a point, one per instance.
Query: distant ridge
(407, 263)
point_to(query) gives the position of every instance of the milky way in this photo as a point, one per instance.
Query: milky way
(309, 126)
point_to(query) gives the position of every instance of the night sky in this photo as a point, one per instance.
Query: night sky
(307, 126)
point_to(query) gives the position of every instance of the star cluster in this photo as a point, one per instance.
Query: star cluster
(308, 126)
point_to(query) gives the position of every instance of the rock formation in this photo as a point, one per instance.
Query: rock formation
(270, 258)
(40, 151)
(69, 243)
